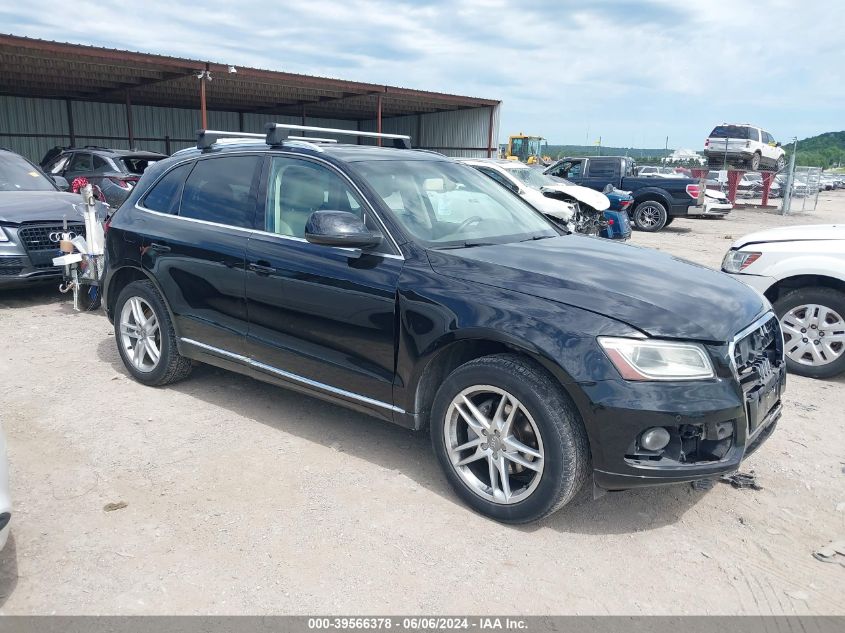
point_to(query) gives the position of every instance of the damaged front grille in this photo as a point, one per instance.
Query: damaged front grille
(758, 354)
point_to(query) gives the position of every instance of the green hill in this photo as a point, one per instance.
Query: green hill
(825, 150)
(638, 154)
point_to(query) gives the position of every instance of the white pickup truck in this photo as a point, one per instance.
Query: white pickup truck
(801, 270)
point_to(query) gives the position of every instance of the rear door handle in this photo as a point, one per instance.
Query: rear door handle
(160, 248)
(262, 269)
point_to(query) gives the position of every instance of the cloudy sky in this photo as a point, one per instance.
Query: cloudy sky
(632, 71)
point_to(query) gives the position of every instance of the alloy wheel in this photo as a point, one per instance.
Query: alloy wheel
(140, 334)
(648, 215)
(813, 334)
(494, 444)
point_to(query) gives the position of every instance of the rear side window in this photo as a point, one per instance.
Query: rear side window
(134, 164)
(165, 195)
(81, 162)
(220, 190)
(602, 168)
(100, 164)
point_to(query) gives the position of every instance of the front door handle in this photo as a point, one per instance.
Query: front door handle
(160, 248)
(262, 268)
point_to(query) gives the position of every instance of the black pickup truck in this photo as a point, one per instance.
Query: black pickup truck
(657, 201)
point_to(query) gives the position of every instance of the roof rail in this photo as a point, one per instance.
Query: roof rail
(207, 138)
(278, 132)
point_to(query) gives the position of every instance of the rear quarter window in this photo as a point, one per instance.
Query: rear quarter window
(164, 196)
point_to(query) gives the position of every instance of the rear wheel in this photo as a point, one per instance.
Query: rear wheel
(509, 440)
(650, 216)
(781, 163)
(813, 324)
(145, 337)
(754, 163)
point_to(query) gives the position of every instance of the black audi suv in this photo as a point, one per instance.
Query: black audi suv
(400, 283)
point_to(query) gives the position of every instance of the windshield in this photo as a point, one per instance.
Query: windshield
(16, 174)
(534, 178)
(445, 204)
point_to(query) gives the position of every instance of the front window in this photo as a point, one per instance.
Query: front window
(445, 204)
(16, 174)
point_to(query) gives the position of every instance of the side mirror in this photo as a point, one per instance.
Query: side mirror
(61, 183)
(340, 228)
(777, 144)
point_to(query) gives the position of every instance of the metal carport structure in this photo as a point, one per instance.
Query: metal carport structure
(54, 93)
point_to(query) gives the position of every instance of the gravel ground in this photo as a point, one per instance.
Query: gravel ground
(242, 498)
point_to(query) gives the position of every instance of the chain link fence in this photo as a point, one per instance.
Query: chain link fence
(803, 196)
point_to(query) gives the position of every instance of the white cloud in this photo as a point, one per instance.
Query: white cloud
(632, 71)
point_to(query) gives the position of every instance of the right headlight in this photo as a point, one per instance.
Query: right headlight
(737, 261)
(644, 359)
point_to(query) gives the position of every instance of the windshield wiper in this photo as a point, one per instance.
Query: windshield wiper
(467, 244)
(538, 237)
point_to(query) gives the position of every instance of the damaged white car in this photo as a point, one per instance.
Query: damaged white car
(578, 207)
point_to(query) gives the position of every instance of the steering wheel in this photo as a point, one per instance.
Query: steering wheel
(475, 219)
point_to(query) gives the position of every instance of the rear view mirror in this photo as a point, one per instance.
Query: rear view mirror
(340, 228)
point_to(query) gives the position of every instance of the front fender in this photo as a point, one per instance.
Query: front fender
(800, 265)
(437, 315)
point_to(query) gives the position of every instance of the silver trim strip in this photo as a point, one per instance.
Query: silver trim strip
(294, 377)
(256, 231)
(369, 206)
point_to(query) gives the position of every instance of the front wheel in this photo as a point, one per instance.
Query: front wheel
(509, 440)
(650, 216)
(813, 325)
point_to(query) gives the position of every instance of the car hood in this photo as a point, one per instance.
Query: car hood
(17, 207)
(809, 232)
(656, 293)
(588, 196)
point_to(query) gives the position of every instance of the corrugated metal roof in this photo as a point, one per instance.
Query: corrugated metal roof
(39, 68)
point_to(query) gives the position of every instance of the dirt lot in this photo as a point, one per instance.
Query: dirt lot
(243, 498)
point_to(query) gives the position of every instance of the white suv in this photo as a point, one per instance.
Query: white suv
(801, 270)
(743, 145)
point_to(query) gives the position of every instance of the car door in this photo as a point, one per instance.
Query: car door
(571, 170)
(80, 165)
(771, 151)
(321, 317)
(196, 247)
(601, 172)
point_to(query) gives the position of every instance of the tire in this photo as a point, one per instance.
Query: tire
(650, 216)
(669, 220)
(546, 421)
(754, 162)
(804, 307)
(142, 297)
(89, 298)
(781, 163)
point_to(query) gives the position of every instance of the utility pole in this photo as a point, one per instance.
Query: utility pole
(787, 199)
